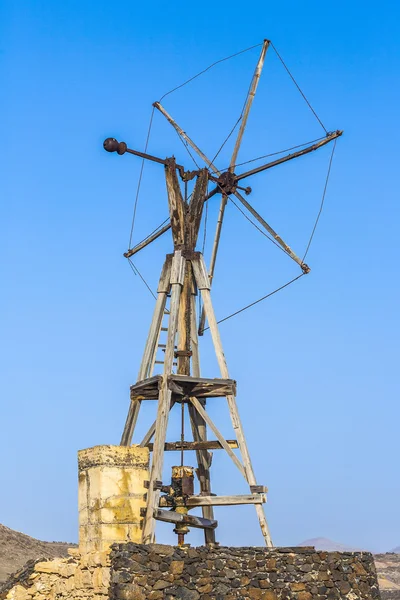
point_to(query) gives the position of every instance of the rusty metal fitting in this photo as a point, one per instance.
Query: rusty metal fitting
(305, 268)
(182, 481)
(112, 145)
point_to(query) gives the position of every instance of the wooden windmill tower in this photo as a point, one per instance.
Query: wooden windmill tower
(184, 275)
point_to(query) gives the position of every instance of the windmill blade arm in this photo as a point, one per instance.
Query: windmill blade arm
(329, 138)
(272, 232)
(147, 241)
(249, 102)
(184, 135)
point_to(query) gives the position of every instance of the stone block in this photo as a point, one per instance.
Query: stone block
(111, 494)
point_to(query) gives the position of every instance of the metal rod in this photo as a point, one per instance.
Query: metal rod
(249, 102)
(329, 138)
(112, 145)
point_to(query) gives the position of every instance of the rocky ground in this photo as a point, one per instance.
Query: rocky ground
(388, 568)
(17, 548)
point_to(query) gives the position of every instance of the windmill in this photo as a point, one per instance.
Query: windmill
(184, 275)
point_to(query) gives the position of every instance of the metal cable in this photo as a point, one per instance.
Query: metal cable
(140, 178)
(237, 122)
(305, 254)
(276, 153)
(154, 231)
(228, 136)
(208, 68)
(137, 272)
(186, 145)
(259, 228)
(259, 300)
(299, 89)
(322, 201)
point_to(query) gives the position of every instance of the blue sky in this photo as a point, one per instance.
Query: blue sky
(321, 357)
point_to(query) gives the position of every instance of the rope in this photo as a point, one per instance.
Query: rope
(322, 201)
(299, 89)
(259, 300)
(208, 68)
(140, 178)
(137, 272)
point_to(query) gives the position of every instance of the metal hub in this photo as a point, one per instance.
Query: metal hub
(227, 182)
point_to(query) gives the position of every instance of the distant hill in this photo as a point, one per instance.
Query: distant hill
(328, 545)
(17, 548)
(396, 550)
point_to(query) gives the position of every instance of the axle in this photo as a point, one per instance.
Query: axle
(227, 182)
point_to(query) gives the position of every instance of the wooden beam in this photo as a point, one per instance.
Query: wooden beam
(201, 387)
(203, 445)
(164, 401)
(147, 241)
(271, 231)
(218, 435)
(249, 102)
(151, 431)
(149, 350)
(184, 135)
(200, 273)
(169, 516)
(193, 501)
(329, 138)
(199, 428)
(147, 389)
(195, 210)
(176, 203)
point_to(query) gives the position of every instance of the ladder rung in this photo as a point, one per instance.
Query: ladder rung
(164, 328)
(161, 362)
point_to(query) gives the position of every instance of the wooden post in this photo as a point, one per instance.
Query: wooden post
(203, 283)
(164, 401)
(199, 429)
(149, 350)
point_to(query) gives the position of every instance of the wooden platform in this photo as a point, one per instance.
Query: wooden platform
(183, 385)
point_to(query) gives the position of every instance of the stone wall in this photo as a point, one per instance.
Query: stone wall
(169, 573)
(156, 572)
(75, 577)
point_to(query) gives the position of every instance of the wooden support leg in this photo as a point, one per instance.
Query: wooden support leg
(149, 351)
(203, 283)
(199, 431)
(164, 401)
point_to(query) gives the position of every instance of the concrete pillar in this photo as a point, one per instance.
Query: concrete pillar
(111, 494)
